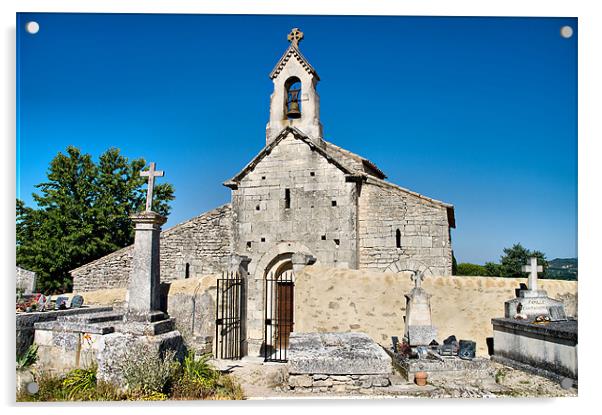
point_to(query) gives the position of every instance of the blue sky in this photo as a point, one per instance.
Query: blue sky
(477, 112)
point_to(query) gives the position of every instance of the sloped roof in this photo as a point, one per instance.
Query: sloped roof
(293, 51)
(346, 161)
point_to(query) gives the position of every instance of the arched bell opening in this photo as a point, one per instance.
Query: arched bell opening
(292, 87)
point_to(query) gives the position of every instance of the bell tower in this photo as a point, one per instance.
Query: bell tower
(295, 101)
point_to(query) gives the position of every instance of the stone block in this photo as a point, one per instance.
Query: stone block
(336, 354)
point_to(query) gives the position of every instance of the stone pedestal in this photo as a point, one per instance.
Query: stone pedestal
(143, 295)
(419, 329)
(530, 304)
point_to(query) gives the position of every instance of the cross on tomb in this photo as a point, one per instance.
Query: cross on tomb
(532, 269)
(151, 173)
(295, 36)
(418, 278)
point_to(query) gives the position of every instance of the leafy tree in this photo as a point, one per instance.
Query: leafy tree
(492, 269)
(467, 269)
(517, 256)
(82, 213)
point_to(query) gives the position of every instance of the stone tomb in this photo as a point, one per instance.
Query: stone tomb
(536, 335)
(548, 349)
(336, 362)
(111, 339)
(419, 334)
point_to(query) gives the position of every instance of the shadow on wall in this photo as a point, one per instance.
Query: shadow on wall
(333, 299)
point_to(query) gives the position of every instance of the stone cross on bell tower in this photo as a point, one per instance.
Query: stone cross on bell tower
(295, 101)
(533, 269)
(295, 36)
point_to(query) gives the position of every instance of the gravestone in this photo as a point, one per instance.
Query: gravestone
(76, 301)
(419, 329)
(26, 280)
(61, 303)
(531, 302)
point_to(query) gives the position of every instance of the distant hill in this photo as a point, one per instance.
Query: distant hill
(562, 269)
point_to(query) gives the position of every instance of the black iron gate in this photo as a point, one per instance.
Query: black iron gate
(279, 306)
(228, 303)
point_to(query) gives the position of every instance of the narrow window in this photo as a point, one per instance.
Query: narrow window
(257, 207)
(398, 238)
(312, 173)
(249, 244)
(323, 237)
(334, 203)
(287, 198)
(187, 271)
(262, 239)
(337, 242)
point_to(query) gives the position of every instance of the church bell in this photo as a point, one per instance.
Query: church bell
(293, 104)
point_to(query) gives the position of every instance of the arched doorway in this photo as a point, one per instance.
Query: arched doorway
(280, 307)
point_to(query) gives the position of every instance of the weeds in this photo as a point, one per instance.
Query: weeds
(147, 378)
(80, 384)
(28, 358)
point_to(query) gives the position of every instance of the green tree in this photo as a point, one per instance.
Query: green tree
(467, 269)
(82, 213)
(517, 256)
(492, 269)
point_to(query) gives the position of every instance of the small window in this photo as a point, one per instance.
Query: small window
(257, 207)
(337, 242)
(287, 198)
(398, 238)
(323, 237)
(334, 203)
(312, 173)
(262, 177)
(262, 239)
(249, 244)
(187, 271)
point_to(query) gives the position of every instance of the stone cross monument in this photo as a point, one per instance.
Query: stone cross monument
(532, 302)
(144, 285)
(533, 269)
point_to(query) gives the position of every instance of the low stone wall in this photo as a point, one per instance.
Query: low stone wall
(336, 383)
(342, 300)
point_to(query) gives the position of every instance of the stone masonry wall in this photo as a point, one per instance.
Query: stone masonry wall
(193, 248)
(425, 239)
(322, 213)
(372, 302)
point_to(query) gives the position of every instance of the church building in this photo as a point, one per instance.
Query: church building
(302, 200)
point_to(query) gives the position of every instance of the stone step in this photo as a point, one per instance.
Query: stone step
(101, 317)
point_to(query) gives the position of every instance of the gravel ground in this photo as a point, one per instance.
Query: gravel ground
(260, 381)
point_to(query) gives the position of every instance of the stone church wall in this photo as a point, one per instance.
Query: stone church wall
(424, 229)
(193, 248)
(322, 213)
(372, 302)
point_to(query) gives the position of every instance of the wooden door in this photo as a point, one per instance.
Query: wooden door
(284, 310)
